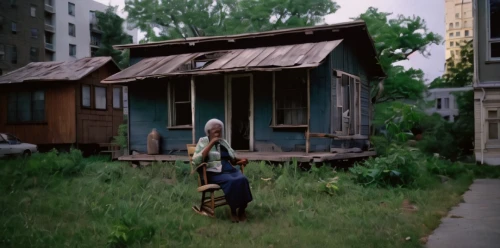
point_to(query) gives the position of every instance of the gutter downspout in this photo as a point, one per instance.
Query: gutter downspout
(476, 80)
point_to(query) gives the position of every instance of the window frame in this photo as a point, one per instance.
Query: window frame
(13, 27)
(489, 40)
(31, 121)
(90, 95)
(32, 7)
(446, 103)
(274, 123)
(105, 97)
(70, 45)
(172, 103)
(120, 96)
(69, 29)
(37, 59)
(492, 143)
(37, 33)
(357, 85)
(69, 8)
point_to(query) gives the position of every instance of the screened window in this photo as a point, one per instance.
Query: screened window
(290, 95)
(100, 97)
(117, 98)
(494, 29)
(348, 111)
(180, 104)
(86, 96)
(26, 107)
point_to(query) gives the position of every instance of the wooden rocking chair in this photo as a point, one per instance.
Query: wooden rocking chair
(208, 204)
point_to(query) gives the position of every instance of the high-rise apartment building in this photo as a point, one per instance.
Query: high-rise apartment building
(21, 33)
(459, 23)
(71, 30)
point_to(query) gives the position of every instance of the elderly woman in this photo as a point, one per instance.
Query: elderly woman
(219, 156)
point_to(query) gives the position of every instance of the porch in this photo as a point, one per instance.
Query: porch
(302, 157)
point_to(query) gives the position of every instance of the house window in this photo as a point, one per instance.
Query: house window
(451, 43)
(117, 97)
(290, 96)
(86, 96)
(494, 29)
(71, 9)
(14, 27)
(72, 50)
(71, 29)
(457, 33)
(493, 124)
(26, 107)
(34, 54)
(33, 11)
(2, 52)
(457, 24)
(457, 15)
(180, 103)
(451, 34)
(13, 58)
(446, 103)
(348, 112)
(34, 33)
(100, 97)
(438, 103)
(451, 25)
(467, 34)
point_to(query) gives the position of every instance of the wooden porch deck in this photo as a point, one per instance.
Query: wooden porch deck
(316, 157)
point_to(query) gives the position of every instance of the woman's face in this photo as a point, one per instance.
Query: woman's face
(215, 132)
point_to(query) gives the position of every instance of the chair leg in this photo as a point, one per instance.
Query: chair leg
(201, 210)
(212, 195)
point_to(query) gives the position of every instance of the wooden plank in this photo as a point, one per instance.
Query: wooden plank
(244, 58)
(193, 114)
(223, 60)
(274, 58)
(308, 110)
(261, 57)
(297, 54)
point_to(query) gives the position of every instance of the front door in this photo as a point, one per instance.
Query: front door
(239, 122)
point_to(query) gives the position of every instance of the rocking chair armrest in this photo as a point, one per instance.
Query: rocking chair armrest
(197, 167)
(204, 167)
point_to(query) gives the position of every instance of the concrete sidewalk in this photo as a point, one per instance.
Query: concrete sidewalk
(475, 223)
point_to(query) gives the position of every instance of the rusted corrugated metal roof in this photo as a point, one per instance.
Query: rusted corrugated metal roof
(200, 39)
(55, 71)
(251, 59)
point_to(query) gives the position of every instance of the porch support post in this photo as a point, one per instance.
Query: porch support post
(308, 110)
(193, 100)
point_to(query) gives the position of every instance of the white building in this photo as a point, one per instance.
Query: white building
(71, 29)
(445, 103)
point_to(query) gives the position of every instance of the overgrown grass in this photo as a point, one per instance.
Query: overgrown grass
(63, 200)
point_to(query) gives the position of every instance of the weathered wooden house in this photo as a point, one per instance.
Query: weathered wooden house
(487, 81)
(271, 89)
(59, 104)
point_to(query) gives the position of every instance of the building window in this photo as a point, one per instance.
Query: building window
(457, 15)
(494, 29)
(457, 24)
(290, 96)
(71, 9)
(452, 53)
(34, 33)
(493, 124)
(14, 27)
(72, 50)
(71, 29)
(2, 52)
(451, 34)
(34, 54)
(13, 58)
(86, 96)
(467, 34)
(48, 2)
(446, 103)
(438, 103)
(348, 111)
(26, 107)
(451, 43)
(457, 34)
(451, 25)
(117, 98)
(180, 103)
(100, 97)
(33, 11)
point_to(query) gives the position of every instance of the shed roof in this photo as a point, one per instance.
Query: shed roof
(55, 71)
(305, 55)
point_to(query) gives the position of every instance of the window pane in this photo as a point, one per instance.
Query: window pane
(438, 103)
(495, 18)
(447, 103)
(182, 92)
(38, 101)
(495, 50)
(492, 130)
(182, 114)
(24, 106)
(86, 96)
(117, 97)
(100, 98)
(33, 11)
(11, 108)
(492, 114)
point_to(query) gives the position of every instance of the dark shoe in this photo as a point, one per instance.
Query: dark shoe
(242, 216)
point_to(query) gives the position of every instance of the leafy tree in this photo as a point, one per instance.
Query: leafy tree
(191, 18)
(460, 71)
(395, 40)
(112, 34)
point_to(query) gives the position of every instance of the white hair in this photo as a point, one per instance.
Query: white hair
(211, 123)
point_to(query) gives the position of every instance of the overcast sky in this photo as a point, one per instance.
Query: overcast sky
(432, 11)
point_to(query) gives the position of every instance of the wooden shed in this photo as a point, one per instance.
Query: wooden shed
(55, 104)
(294, 93)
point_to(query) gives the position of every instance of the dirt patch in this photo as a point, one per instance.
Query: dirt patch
(406, 206)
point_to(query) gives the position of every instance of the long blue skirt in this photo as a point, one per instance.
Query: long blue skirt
(234, 185)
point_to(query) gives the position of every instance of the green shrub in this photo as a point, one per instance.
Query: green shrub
(129, 231)
(122, 138)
